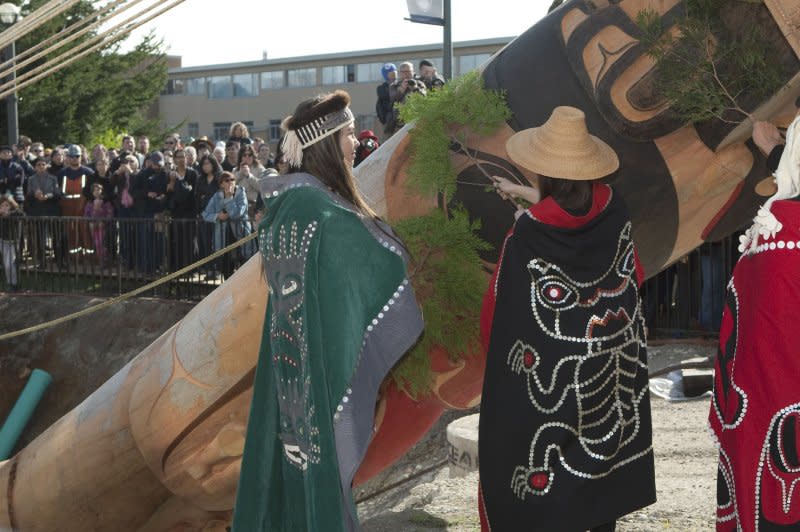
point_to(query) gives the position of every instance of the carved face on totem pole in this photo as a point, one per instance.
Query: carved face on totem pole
(684, 184)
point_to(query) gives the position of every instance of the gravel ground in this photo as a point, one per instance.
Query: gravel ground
(685, 474)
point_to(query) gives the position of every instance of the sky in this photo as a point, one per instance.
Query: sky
(206, 32)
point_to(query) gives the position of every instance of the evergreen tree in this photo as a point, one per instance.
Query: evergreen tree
(104, 91)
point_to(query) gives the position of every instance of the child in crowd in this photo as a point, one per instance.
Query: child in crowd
(9, 238)
(98, 208)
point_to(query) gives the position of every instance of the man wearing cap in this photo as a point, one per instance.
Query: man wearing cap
(383, 107)
(72, 179)
(151, 195)
(11, 173)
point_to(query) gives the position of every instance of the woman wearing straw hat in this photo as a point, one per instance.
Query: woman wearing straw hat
(565, 434)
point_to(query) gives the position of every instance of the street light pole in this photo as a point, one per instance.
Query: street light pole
(10, 15)
(437, 13)
(447, 53)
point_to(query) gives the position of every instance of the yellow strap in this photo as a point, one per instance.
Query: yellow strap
(128, 295)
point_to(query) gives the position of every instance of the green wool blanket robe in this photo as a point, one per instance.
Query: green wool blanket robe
(341, 313)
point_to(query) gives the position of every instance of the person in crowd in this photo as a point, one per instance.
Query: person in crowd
(257, 143)
(383, 106)
(565, 436)
(755, 406)
(367, 143)
(172, 142)
(57, 160)
(248, 173)
(204, 146)
(191, 157)
(42, 200)
(405, 84)
(143, 147)
(101, 211)
(99, 151)
(207, 186)
(280, 161)
(22, 155)
(231, 156)
(219, 154)
(10, 230)
(123, 180)
(84, 155)
(227, 211)
(113, 153)
(300, 455)
(12, 174)
(154, 180)
(128, 146)
(265, 155)
(239, 133)
(181, 205)
(37, 150)
(102, 175)
(73, 180)
(429, 75)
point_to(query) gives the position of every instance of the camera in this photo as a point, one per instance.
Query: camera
(369, 145)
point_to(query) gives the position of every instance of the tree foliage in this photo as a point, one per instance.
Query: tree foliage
(447, 275)
(705, 69)
(105, 90)
(442, 118)
(446, 270)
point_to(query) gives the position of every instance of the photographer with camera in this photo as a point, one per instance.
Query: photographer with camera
(406, 84)
(367, 143)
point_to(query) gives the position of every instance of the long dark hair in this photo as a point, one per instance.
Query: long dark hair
(216, 167)
(324, 160)
(570, 194)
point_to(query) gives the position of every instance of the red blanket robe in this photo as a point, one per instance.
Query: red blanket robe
(755, 412)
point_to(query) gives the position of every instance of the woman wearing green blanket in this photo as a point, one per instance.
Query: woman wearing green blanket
(341, 313)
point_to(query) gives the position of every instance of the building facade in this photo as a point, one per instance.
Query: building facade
(205, 100)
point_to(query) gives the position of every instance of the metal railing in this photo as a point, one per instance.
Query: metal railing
(111, 256)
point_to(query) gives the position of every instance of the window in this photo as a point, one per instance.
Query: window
(195, 86)
(334, 75)
(274, 130)
(367, 72)
(302, 77)
(220, 87)
(273, 80)
(193, 129)
(245, 85)
(471, 62)
(174, 86)
(222, 130)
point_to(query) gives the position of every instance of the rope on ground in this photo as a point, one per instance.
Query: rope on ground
(128, 295)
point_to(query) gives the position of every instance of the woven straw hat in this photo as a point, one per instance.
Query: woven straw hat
(767, 187)
(563, 148)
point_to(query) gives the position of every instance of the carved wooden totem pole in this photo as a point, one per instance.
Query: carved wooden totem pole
(158, 446)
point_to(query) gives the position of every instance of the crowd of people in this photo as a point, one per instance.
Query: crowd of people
(398, 84)
(174, 204)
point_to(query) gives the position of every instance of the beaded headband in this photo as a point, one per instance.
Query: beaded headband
(296, 140)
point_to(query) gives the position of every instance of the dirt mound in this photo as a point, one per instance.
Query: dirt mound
(80, 355)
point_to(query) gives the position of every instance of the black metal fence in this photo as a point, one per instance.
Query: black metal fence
(112, 256)
(687, 298)
(108, 257)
